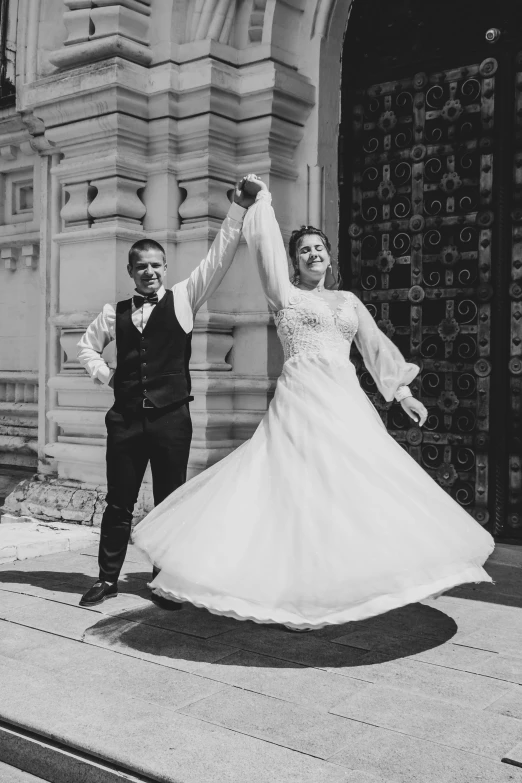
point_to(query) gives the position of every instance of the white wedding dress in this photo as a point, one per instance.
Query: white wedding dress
(321, 517)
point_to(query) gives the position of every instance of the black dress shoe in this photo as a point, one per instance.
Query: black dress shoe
(165, 603)
(98, 593)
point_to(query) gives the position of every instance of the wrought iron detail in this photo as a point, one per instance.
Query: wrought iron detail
(421, 234)
(7, 88)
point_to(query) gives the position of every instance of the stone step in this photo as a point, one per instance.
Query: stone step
(9, 774)
(108, 726)
(127, 691)
(28, 756)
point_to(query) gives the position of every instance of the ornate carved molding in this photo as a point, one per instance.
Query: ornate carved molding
(37, 142)
(256, 21)
(212, 19)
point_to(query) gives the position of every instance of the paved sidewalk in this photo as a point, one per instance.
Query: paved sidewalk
(24, 537)
(426, 694)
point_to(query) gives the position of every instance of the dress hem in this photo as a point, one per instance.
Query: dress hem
(239, 609)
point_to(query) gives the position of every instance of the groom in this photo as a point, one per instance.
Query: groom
(150, 419)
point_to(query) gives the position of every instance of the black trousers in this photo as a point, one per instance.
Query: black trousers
(161, 436)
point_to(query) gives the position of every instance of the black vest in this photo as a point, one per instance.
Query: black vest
(152, 364)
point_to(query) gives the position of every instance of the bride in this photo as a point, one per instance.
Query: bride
(321, 517)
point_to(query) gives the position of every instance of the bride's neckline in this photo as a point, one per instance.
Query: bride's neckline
(332, 295)
(312, 290)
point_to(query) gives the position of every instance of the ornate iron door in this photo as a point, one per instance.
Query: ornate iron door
(514, 509)
(421, 242)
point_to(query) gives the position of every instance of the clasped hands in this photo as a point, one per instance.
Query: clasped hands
(247, 189)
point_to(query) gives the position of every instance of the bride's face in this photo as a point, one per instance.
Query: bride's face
(313, 258)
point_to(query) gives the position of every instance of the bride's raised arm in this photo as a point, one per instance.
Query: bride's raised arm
(386, 364)
(266, 246)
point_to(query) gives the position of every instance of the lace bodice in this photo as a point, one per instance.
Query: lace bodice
(308, 325)
(305, 322)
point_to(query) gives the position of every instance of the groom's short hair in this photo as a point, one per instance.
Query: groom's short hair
(141, 246)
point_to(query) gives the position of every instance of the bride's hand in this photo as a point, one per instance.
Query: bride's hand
(415, 410)
(247, 189)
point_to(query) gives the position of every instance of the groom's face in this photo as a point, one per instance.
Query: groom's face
(148, 272)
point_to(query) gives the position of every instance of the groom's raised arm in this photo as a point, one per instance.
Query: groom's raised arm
(192, 293)
(206, 278)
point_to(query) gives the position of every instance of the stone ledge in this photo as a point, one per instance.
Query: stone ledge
(25, 537)
(66, 500)
(55, 500)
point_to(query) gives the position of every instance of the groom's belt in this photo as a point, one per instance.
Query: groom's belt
(148, 406)
(136, 409)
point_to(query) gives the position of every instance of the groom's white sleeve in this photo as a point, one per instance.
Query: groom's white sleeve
(192, 293)
(93, 342)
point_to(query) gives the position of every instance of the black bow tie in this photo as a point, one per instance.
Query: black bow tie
(139, 301)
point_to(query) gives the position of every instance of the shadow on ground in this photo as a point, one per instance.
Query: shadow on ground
(70, 582)
(397, 634)
(195, 635)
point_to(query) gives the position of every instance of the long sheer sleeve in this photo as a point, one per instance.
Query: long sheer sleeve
(267, 248)
(382, 358)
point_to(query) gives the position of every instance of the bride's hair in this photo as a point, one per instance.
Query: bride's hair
(294, 244)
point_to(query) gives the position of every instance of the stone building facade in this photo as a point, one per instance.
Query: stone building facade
(389, 125)
(135, 119)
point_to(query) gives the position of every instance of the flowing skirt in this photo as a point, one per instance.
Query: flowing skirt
(320, 518)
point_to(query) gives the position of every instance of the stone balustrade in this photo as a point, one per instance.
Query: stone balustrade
(18, 419)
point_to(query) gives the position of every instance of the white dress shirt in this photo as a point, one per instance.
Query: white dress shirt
(97, 347)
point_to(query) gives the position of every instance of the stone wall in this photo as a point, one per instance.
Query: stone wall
(138, 118)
